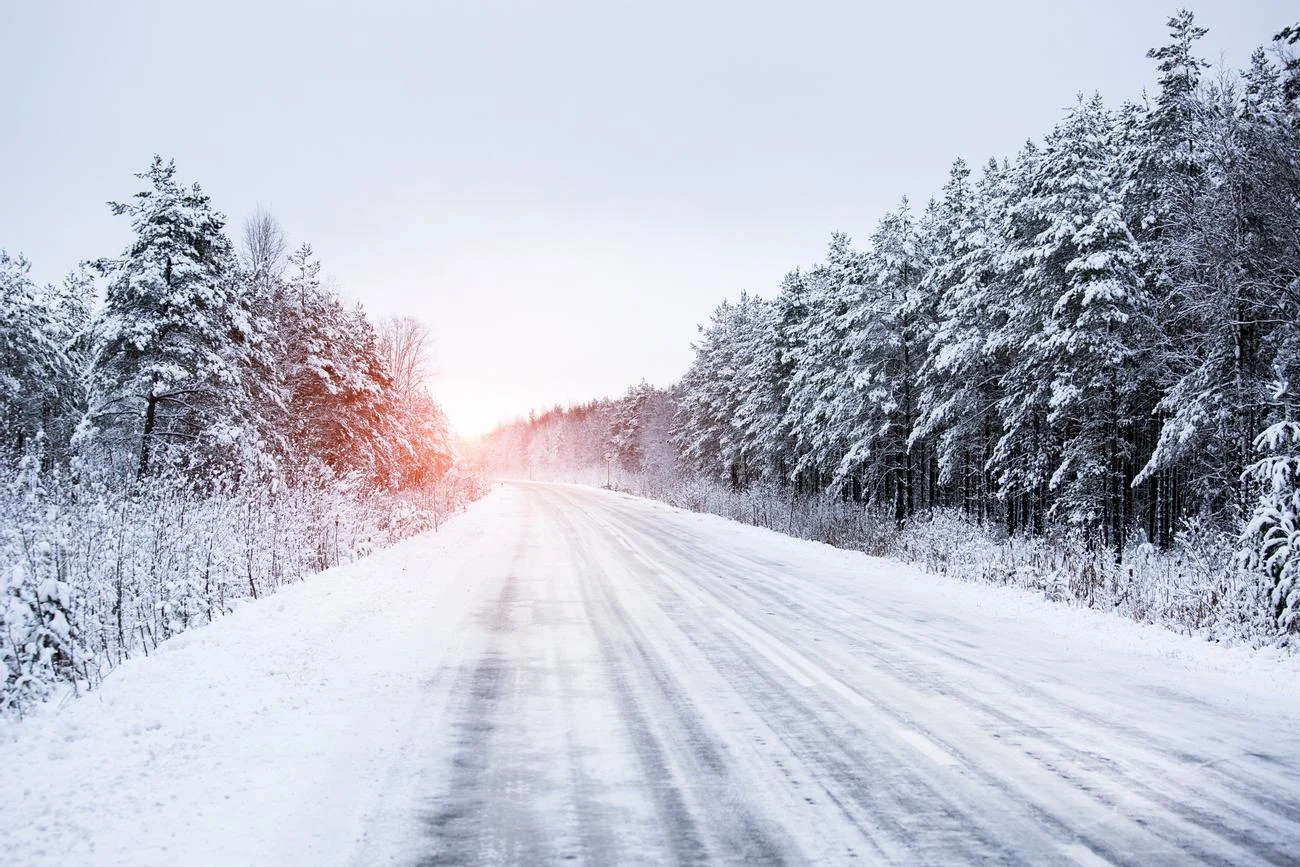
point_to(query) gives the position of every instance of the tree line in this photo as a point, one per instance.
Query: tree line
(205, 360)
(190, 423)
(1100, 335)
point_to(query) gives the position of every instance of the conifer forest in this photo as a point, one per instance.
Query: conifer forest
(1073, 369)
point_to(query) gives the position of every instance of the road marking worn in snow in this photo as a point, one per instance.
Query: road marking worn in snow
(791, 671)
(1083, 856)
(927, 746)
(804, 671)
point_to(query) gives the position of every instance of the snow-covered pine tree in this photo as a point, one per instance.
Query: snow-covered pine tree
(789, 346)
(260, 281)
(625, 446)
(336, 390)
(363, 408)
(1166, 176)
(406, 348)
(878, 409)
(169, 383)
(1271, 539)
(1097, 325)
(1169, 168)
(753, 390)
(1032, 269)
(1286, 38)
(39, 388)
(659, 461)
(37, 633)
(1271, 140)
(71, 306)
(703, 427)
(1230, 249)
(958, 379)
(821, 393)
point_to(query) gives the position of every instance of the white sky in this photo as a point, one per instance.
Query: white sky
(560, 190)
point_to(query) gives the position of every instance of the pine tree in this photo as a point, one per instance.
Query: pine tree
(364, 435)
(1098, 327)
(341, 411)
(1032, 269)
(168, 383)
(704, 429)
(789, 349)
(820, 403)
(1171, 166)
(758, 402)
(1230, 249)
(1286, 37)
(39, 638)
(958, 379)
(70, 306)
(1271, 539)
(626, 445)
(884, 358)
(38, 382)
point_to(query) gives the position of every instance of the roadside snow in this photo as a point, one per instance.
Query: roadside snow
(1012, 608)
(263, 738)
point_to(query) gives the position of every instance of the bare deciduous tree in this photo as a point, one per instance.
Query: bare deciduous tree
(263, 248)
(406, 346)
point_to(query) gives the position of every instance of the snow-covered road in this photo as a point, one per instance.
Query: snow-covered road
(570, 674)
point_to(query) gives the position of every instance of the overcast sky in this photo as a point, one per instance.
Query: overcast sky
(560, 190)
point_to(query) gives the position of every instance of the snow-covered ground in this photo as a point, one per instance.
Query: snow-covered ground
(564, 672)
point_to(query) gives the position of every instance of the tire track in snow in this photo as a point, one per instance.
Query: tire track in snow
(1200, 807)
(666, 729)
(876, 810)
(462, 824)
(681, 550)
(1199, 821)
(949, 825)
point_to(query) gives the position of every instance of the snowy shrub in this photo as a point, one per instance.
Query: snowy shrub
(90, 576)
(35, 633)
(1194, 587)
(820, 518)
(1272, 537)
(945, 542)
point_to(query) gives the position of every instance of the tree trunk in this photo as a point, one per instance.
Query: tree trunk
(150, 418)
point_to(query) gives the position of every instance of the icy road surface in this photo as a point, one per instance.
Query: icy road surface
(569, 674)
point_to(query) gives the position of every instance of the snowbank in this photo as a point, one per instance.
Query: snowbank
(262, 738)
